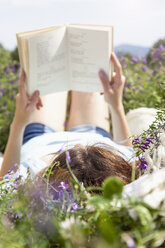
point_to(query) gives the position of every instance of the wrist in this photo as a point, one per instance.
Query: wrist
(118, 108)
(17, 125)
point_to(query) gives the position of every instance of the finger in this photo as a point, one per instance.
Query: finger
(35, 96)
(117, 64)
(104, 79)
(39, 104)
(33, 100)
(22, 75)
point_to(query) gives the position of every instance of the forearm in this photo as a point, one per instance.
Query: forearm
(13, 148)
(121, 131)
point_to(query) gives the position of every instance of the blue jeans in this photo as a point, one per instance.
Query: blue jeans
(36, 129)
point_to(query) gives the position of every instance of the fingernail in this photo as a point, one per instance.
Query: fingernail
(37, 93)
(101, 74)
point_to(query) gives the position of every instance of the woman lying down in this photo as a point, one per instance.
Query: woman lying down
(37, 137)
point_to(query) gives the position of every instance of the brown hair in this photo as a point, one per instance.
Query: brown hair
(91, 165)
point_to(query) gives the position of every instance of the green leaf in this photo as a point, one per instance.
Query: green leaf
(112, 186)
(144, 215)
(107, 228)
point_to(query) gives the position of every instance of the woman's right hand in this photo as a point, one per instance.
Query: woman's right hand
(25, 105)
(113, 91)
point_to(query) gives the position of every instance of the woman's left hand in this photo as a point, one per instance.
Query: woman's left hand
(25, 105)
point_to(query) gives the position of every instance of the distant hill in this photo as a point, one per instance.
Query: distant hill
(138, 51)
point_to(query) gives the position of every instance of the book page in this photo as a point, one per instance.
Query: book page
(89, 51)
(48, 62)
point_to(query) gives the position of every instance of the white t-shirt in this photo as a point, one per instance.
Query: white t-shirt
(48, 143)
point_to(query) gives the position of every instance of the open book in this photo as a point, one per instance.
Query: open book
(65, 57)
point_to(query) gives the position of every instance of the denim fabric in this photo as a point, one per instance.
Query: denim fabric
(90, 129)
(36, 129)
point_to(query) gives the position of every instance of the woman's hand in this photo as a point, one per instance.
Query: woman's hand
(25, 105)
(113, 91)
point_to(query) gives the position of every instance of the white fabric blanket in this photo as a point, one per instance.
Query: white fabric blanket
(150, 188)
(140, 119)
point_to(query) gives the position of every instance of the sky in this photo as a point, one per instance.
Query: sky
(136, 22)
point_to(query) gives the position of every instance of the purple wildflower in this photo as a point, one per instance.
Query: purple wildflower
(136, 141)
(61, 149)
(157, 53)
(146, 143)
(161, 48)
(143, 144)
(12, 68)
(2, 93)
(129, 240)
(150, 139)
(15, 185)
(127, 84)
(13, 168)
(75, 206)
(19, 67)
(143, 148)
(144, 69)
(135, 60)
(68, 157)
(143, 164)
(63, 186)
(119, 56)
(18, 216)
(132, 246)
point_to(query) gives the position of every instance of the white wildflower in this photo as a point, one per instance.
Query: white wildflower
(128, 240)
(70, 225)
(67, 223)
